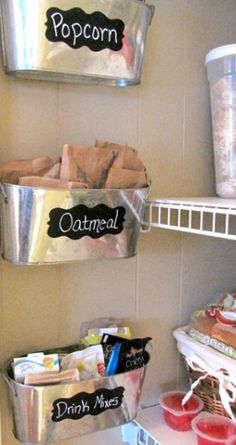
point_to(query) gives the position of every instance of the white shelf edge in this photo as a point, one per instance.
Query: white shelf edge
(149, 428)
(209, 216)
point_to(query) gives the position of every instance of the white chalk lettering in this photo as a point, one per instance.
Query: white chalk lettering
(103, 31)
(85, 406)
(67, 223)
(87, 36)
(102, 224)
(111, 224)
(76, 30)
(65, 31)
(61, 409)
(56, 23)
(95, 225)
(77, 225)
(110, 33)
(70, 410)
(98, 402)
(96, 34)
(102, 403)
(115, 401)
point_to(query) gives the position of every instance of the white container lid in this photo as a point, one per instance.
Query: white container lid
(221, 51)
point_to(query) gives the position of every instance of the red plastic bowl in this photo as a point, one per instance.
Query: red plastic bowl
(213, 429)
(176, 415)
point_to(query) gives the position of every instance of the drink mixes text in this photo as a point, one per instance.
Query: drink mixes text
(84, 403)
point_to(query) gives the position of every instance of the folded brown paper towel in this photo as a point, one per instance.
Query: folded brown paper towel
(105, 165)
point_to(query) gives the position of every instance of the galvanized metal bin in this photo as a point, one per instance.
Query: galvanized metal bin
(44, 414)
(96, 41)
(42, 225)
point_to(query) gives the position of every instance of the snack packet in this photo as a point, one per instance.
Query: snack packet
(132, 353)
(89, 362)
(67, 376)
(34, 363)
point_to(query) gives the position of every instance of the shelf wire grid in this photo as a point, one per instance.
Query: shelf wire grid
(210, 219)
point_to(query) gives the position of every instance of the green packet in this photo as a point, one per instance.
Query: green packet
(95, 335)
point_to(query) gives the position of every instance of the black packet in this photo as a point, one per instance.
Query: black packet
(132, 352)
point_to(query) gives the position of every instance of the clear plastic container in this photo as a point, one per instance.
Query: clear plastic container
(176, 415)
(221, 70)
(213, 429)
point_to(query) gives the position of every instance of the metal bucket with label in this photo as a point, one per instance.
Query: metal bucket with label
(95, 41)
(44, 414)
(42, 225)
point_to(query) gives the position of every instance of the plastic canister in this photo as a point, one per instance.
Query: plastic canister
(221, 71)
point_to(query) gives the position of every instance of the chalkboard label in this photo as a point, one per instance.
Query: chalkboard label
(76, 28)
(82, 221)
(85, 403)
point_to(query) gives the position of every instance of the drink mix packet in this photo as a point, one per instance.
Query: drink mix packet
(89, 362)
(131, 354)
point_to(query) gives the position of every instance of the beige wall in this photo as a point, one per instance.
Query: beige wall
(167, 118)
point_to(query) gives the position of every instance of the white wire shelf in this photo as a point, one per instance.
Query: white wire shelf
(209, 216)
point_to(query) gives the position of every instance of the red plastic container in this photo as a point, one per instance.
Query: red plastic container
(213, 429)
(176, 415)
(231, 441)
